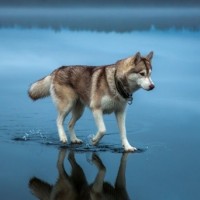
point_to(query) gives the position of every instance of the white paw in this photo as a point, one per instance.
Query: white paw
(97, 138)
(76, 141)
(63, 140)
(94, 141)
(130, 149)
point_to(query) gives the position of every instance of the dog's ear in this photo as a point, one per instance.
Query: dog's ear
(150, 55)
(137, 58)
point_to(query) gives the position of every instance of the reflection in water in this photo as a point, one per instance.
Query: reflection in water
(75, 186)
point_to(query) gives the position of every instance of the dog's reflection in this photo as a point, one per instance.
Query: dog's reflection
(76, 187)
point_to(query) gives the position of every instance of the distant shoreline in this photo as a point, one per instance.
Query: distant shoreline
(101, 19)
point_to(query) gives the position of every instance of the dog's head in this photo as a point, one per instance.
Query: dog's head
(137, 71)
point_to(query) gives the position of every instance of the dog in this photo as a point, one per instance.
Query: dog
(104, 89)
(75, 186)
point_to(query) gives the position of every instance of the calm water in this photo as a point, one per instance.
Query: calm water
(163, 123)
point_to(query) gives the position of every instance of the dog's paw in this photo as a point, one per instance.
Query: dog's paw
(130, 149)
(63, 140)
(97, 138)
(94, 141)
(76, 141)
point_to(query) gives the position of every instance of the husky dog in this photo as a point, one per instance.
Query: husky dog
(75, 186)
(104, 89)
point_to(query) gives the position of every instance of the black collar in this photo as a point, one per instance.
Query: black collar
(122, 90)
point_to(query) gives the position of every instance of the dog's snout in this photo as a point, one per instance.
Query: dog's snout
(151, 87)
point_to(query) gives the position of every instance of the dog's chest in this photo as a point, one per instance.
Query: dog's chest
(109, 104)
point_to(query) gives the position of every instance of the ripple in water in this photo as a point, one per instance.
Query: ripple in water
(41, 137)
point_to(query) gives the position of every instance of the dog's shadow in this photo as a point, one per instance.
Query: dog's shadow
(76, 187)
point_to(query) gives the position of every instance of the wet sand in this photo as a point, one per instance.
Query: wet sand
(163, 123)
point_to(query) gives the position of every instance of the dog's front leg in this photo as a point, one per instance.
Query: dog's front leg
(121, 180)
(98, 116)
(120, 183)
(120, 116)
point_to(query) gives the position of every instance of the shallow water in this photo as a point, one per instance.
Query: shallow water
(163, 124)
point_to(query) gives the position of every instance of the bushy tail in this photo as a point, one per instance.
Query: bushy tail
(40, 89)
(40, 189)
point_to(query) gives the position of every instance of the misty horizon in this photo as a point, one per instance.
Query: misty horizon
(97, 3)
(98, 19)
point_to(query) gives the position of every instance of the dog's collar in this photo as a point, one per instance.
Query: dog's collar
(122, 90)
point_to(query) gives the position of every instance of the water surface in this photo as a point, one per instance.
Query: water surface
(163, 123)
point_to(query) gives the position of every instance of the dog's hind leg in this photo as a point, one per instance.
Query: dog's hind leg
(98, 116)
(60, 164)
(64, 99)
(62, 113)
(77, 112)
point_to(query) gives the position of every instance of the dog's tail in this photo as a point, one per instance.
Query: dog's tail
(40, 189)
(41, 88)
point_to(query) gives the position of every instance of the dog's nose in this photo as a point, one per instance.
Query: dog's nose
(151, 87)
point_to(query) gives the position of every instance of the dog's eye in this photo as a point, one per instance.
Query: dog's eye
(142, 74)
